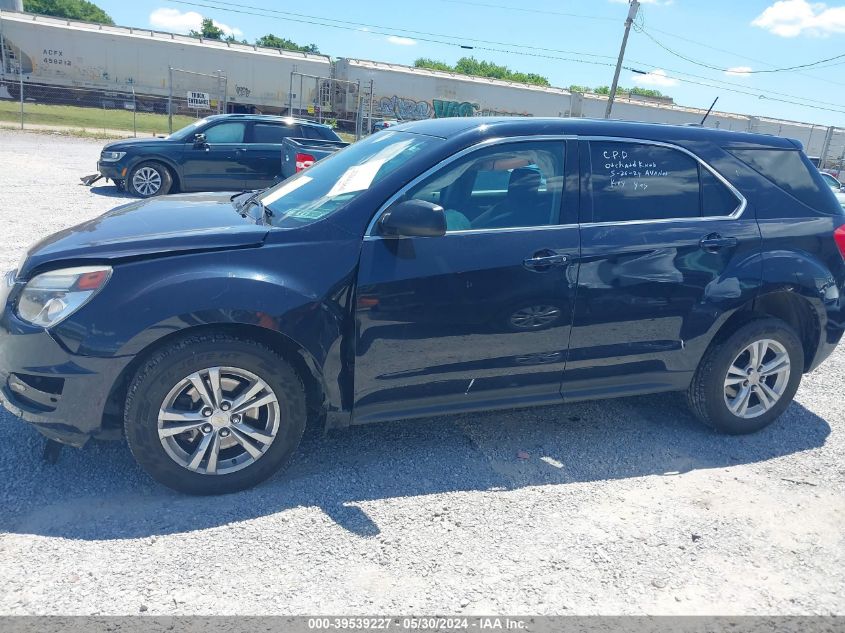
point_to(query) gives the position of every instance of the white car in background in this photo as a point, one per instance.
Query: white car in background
(838, 187)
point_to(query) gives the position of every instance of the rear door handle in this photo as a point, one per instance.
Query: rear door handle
(715, 242)
(544, 262)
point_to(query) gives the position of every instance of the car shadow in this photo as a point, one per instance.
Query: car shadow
(99, 493)
(111, 191)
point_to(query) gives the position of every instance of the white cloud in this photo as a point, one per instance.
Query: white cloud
(182, 22)
(656, 77)
(791, 18)
(738, 71)
(401, 41)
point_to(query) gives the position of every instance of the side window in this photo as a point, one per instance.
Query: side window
(635, 181)
(319, 133)
(226, 133)
(271, 132)
(504, 186)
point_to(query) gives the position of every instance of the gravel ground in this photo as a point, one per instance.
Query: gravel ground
(625, 506)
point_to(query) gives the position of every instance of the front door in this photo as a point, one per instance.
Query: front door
(219, 164)
(479, 317)
(666, 250)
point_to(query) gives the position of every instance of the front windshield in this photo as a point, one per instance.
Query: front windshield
(187, 131)
(332, 183)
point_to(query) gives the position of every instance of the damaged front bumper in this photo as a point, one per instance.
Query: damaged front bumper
(64, 396)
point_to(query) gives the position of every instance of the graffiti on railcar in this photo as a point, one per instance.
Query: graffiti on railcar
(413, 110)
(404, 109)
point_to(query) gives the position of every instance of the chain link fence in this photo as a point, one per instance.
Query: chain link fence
(345, 105)
(193, 94)
(118, 111)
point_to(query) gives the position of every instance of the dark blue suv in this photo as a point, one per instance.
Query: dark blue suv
(224, 152)
(436, 267)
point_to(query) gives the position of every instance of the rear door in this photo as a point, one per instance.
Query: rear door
(264, 151)
(479, 317)
(218, 165)
(667, 249)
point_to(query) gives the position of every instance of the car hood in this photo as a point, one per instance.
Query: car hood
(158, 226)
(135, 143)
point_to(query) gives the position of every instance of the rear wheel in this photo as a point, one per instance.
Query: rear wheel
(214, 414)
(748, 380)
(149, 179)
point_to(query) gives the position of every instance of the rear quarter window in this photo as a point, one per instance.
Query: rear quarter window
(319, 133)
(792, 172)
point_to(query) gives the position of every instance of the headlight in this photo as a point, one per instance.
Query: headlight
(111, 157)
(52, 297)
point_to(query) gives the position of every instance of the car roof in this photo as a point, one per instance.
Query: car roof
(485, 127)
(265, 117)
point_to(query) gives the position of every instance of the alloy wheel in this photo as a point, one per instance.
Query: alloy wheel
(218, 420)
(757, 378)
(147, 181)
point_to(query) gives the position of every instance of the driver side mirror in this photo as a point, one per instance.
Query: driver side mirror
(200, 140)
(413, 218)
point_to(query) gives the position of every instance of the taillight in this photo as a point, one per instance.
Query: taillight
(304, 161)
(839, 236)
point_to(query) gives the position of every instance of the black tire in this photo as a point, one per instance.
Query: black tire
(706, 394)
(166, 368)
(163, 175)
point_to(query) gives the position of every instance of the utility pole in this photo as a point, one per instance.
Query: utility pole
(633, 7)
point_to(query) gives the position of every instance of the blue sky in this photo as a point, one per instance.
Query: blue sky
(556, 37)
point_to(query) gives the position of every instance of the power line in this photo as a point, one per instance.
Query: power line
(526, 10)
(688, 40)
(745, 92)
(387, 31)
(414, 32)
(642, 30)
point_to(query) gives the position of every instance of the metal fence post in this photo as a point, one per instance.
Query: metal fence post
(134, 113)
(370, 110)
(20, 76)
(290, 95)
(170, 100)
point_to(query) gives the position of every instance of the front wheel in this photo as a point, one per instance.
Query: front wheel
(149, 179)
(214, 414)
(748, 380)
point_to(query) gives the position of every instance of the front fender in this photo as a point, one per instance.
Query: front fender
(146, 301)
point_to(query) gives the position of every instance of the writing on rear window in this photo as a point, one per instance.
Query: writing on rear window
(625, 170)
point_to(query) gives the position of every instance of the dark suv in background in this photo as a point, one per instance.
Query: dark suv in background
(227, 152)
(436, 267)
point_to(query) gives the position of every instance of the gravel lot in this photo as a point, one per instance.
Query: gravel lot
(625, 506)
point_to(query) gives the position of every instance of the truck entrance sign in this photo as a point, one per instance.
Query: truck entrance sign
(199, 100)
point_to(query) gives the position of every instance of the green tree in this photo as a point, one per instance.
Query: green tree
(646, 92)
(70, 9)
(480, 68)
(274, 41)
(209, 30)
(433, 64)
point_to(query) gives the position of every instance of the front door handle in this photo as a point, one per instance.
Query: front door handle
(544, 260)
(714, 242)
